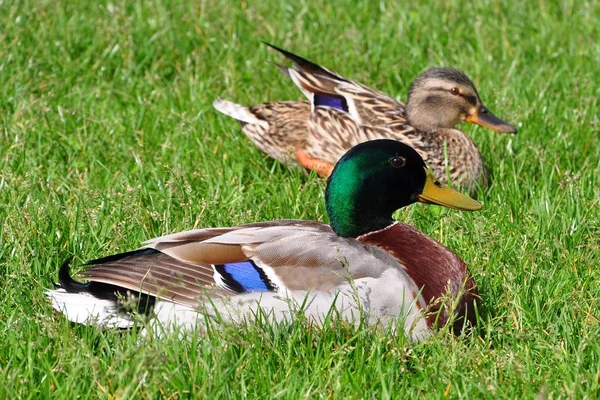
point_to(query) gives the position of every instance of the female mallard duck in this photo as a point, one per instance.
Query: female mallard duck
(364, 263)
(342, 113)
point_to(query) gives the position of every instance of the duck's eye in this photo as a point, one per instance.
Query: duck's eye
(454, 91)
(397, 161)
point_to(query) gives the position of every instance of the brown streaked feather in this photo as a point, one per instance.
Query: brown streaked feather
(373, 107)
(276, 128)
(332, 132)
(286, 128)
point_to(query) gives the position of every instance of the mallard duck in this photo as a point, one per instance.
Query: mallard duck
(341, 113)
(363, 263)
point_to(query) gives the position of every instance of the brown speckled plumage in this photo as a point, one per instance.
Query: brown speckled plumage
(324, 133)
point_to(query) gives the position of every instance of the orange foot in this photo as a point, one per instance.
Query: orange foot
(323, 168)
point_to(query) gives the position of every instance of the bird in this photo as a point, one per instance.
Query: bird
(363, 264)
(341, 113)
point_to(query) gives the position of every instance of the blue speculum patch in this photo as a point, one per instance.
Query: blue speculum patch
(331, 101)
(244, 277)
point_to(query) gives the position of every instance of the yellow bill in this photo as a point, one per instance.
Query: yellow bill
(435, 193)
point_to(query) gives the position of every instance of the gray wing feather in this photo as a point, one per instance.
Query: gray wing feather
(295, 255)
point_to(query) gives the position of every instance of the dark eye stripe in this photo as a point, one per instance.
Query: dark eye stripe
(470, 98)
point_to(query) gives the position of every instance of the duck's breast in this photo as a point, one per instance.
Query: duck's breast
(434, 268)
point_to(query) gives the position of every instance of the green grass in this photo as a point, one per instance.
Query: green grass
(108, 138)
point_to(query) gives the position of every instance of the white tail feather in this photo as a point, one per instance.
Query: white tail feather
(238, 112)
(83, 308)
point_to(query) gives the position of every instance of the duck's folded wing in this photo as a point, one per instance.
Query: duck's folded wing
(292, 254)
(277, 256)
(151, 272)
(327, 88)
(333, 132)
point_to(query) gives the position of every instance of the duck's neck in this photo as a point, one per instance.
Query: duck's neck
(354, 210)
(428, 120)
(424, 128)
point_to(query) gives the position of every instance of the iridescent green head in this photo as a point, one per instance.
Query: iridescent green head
(376, 178)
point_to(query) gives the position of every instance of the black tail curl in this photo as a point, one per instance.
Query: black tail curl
(127, 300)
(65, 281)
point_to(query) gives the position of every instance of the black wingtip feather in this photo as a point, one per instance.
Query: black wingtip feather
(120, 256)
(303, 64)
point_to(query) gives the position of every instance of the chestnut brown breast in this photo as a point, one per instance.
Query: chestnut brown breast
(434, 268)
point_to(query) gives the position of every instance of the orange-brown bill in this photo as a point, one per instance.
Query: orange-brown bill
(484, 117)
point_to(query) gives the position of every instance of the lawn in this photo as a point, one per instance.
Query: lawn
(108, 138)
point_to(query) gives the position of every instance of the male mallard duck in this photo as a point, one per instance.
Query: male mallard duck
(364, 263)
(342, 113)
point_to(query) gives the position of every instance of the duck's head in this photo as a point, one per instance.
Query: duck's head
(376, 178)
(444, 97)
